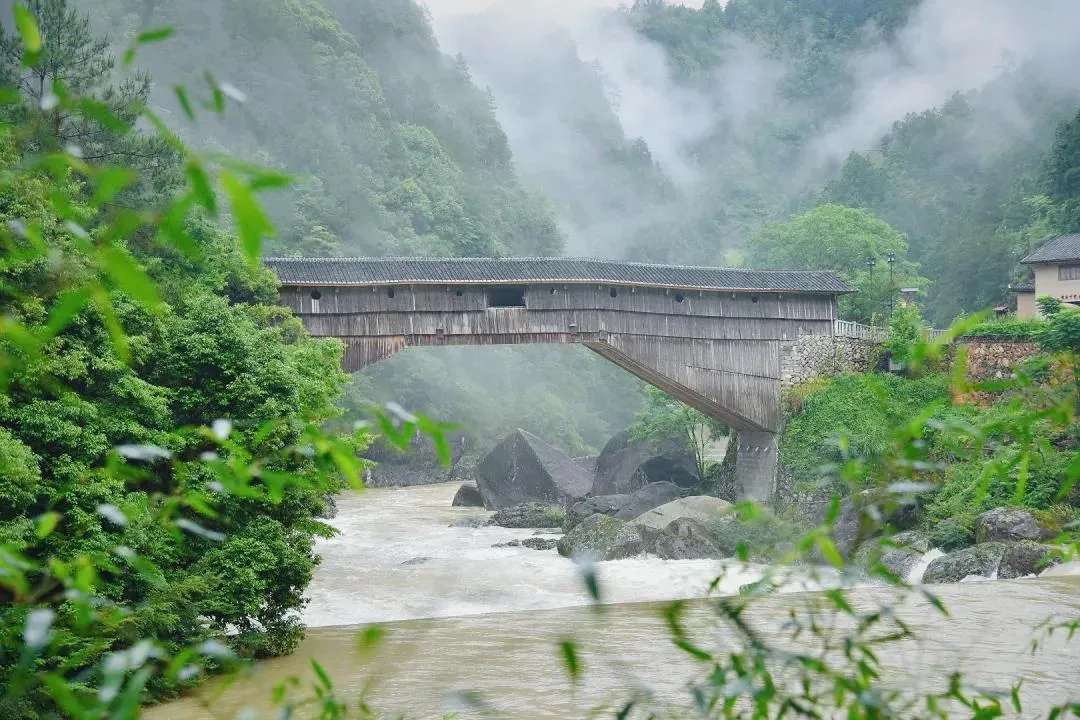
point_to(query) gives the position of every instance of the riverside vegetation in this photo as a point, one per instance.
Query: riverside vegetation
(168, 436)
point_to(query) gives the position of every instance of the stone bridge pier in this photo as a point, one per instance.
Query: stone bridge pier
(718, 339)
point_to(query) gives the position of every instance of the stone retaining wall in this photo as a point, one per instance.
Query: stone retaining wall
(995, 359)
(814, 356)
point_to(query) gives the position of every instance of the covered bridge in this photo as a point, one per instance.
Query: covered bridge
(715, 338)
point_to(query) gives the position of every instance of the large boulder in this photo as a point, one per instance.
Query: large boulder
(1026, 558)
(623, 507)
(468, 495)
(624, 466)
(765, 536)
(523, 468)
(602, 537)
(979, 561)
(686, 539)
(529, 515)
(703, 508)
(1008, 525)
(900, 555)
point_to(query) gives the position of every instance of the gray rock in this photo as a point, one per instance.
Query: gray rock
(900, 556)
(1026, 558)
(1006, 524)
(529, 515)
(470, 522)
(537, 543)
(623, 507)
(602, 537)
(548, 531)
(598, 505)
(950, 535)
(625, 466)
(703, 508)
(685, 539)
(330, 508)
(980, 560)
(523, 468)
(468, 495)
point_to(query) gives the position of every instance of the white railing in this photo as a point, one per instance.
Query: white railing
(858, 331)
(871, 333)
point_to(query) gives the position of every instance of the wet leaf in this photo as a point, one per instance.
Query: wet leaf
(38, 629)
(46, 523)
(569, 653)
(112, 513)
(370, 637)
(197, 529)
(251, 221)
(28, 29)
(146, 453)
(128, 276)
(200, 186)
(155, 35)
(936, 602)
(829, 551)
(221, 428)
(108, 182)
(67, 306)
(324, 678)
(185, 102)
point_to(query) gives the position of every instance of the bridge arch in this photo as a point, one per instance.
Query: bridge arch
(715, 338)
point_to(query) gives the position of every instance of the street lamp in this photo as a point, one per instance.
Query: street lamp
(870, 263)
(891, 259)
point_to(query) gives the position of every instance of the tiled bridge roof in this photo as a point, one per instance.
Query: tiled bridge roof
(488, 271)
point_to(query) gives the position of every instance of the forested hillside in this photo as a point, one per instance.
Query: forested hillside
(761, 110)
(730, 133)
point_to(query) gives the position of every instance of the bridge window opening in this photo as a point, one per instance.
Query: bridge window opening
(614, 293)
(753, 298)
(552, 291)
(506, 296)
(316, 295)
(459, 293)
(390, 292)
(679, 297)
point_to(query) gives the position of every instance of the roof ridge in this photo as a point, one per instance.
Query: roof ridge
(604, 261)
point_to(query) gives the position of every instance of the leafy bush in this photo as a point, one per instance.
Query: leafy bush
(1009, 329)
(855, 412)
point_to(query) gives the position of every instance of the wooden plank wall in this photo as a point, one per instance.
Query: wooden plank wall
(720, 352)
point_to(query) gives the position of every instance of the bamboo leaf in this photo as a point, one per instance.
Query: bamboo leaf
(201, 187)
(571, 661)
(128, 276)
(155, 35)
(829, 551)
(251, 221)
(28, 29)
(46, 523)
(67, 306)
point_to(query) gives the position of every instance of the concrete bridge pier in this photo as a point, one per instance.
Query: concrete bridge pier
(756, 464)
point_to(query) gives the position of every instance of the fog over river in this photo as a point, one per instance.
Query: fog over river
(462, 615)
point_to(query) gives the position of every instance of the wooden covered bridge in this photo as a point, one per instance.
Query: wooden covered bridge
(715, 338)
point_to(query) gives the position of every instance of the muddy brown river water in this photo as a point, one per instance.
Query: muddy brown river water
(464, 617)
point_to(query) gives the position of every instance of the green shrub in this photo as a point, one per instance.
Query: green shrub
(859, 411)
(1009, 329)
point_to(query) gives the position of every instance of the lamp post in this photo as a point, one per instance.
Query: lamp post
(891, 259)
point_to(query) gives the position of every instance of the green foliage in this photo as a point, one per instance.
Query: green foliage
(665, 419)
(1061, 333)
(905, 329)
(852, 416)
(847, 241)
(951, 534)
(1008, 328)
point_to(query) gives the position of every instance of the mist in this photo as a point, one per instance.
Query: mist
(718, 144)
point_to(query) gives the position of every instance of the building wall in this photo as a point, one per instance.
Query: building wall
(1026, 308)
(1047, 283)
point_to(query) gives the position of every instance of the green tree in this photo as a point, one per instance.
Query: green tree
(665, 418)
(1063, 174)
(856, 244)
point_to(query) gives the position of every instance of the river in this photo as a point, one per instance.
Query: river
(462, 616)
